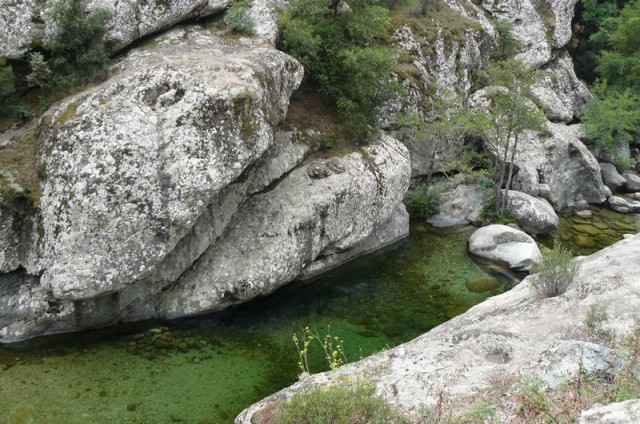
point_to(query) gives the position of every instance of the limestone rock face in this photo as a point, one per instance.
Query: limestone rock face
(561, 94)
(512, 334)
(23, 21)
(133, 163)
(564, 163)
(505, 245)
(535, 215)
(276, 235)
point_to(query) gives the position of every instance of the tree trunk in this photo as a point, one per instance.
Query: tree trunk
(505, 198)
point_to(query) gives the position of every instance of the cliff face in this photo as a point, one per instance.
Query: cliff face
(173, 166)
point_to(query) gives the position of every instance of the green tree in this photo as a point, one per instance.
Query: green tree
(77, 51)
(442, 127)
(342, 51)
(511, 113)
(613, 117)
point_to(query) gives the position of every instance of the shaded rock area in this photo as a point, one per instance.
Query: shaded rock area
(505, 245)
(460, 206)
(560, 160)
(502, 340)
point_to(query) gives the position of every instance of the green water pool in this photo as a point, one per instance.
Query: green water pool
(206, 370)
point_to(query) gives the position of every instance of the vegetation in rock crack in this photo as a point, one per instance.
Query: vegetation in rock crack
(423, 200)
(511, 112)
(341, 48)
(73, 57)
(613, 117)
(339, 404)
(238, 17)
(555, 272)
(490, 215)
(507, 44)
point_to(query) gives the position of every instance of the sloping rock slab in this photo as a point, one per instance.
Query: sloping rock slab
(507, 335)
(505, 245)
(132, 164)
(277, 234)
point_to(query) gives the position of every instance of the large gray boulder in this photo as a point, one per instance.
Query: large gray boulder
(132, 164)
(611, 177)
(26, 20)
(564, 164)
(505, 245)
(278, 234)
(508, 337)
(535, 215)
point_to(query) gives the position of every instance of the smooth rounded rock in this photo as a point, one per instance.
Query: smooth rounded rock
(535, 215)
(503, 244)
(482, 284)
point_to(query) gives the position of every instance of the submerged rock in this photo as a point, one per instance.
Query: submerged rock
(506, 245)
(482, 284)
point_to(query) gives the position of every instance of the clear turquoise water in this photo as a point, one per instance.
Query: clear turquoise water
(228, 361)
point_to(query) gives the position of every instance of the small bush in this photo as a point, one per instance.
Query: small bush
(40, 75)
(423, 201)
(238, 18)
(339, 405)
(595, 321)
(554, 273)
(489, 214)
(77, 51)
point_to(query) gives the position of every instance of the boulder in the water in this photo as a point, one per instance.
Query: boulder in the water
(611, 177)
(503, 244)
(535, 215)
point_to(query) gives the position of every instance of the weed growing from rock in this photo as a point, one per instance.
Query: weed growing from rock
(554, 273)
(423, 201)
(238, 17)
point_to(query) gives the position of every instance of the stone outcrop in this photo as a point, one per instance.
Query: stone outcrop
(560, 160)
(508, 336)
(173, 155)
(131, 164)
(276, 235)
(505, 245)
(27, 20)
(535, 215)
